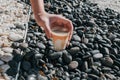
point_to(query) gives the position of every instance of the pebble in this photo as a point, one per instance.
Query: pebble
(95, 77)
(105, 50)
(7, 49)
(74, 50)
(15, 37)
(95, 52)
(23, 45)
(73, 65)
(1, 62)
(67, 58)
(97, 56)
(107, 60)
(31, 77)
(41, 45)
(7, 57)
(55, 55)
(1, 53)
(4, 67)
(26, 65)
(76, 38)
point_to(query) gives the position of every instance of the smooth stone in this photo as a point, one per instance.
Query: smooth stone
(76, 38)
(73, 65)
(15, 37)
(85, 66)
(1, 62)
(97, 56)
(107, 61)
(19, 26)
(39, 56)
(74, 50)
(1, 53)
(106, 69)
(50, 66)
(17, 51)
(26, 65)
(97, 64)
(7, 49)
(98, 37)
(4, 67)
(95, 70)
(93, 76)
(24, 45)
(85, 40)
(95, 51)
(7, 57)
(76, 78)
(13, 64)
(40, 77)
(110, 76)
(15, 44)
(55, 55)
(41, 45)
(111, 36)
(105, 50)
(67, 58)
(31, 77)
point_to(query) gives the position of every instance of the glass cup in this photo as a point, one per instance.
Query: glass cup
(59, 38)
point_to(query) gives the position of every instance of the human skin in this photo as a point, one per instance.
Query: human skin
(46, 20)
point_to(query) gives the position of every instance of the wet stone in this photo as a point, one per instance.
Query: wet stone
(74, 50)
(15, 44)
(107, 61)
(41, 45)
(73, 64)
(7, 49)
(55, 55)
(95, 77)
(38, 56)
(67, 58)
(4, 67)
(95, 52)
(26, 65)
(15, 37)
(105, 50)
(76, 38)
(7, 57)
(23, 45)
(97, 56)
(31, 77)
(1, 62)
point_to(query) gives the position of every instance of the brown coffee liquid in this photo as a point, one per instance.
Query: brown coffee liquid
(59, 32)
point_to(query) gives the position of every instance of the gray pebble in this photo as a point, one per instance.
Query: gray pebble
(76, 38)
(7, 57)
(73, 65)
(23, 45)
(107, 61)
(55, 55)
(67, 58)
(97, 56)
(1, 62)
(41, 45)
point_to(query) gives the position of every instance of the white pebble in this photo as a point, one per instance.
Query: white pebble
(7, 57)
(1, 53)
(7, 49)
(1, 62)
(4, 68)
(15, 37)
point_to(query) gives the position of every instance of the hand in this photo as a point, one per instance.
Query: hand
(46, 21)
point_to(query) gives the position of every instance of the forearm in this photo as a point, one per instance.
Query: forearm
(37, 6)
